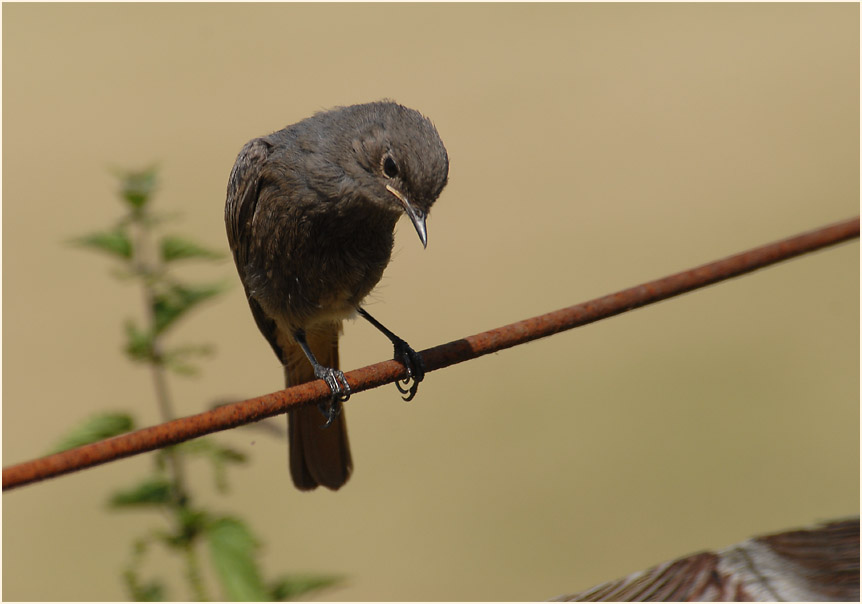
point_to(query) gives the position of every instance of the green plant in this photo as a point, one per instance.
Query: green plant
(147, 256)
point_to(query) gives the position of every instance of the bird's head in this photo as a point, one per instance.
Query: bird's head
(396, 158)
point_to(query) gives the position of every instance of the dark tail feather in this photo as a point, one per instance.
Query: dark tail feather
(318, 456)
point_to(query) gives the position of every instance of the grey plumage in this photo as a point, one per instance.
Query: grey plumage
(310, 215)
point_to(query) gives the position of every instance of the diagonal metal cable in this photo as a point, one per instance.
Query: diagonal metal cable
(229, 416)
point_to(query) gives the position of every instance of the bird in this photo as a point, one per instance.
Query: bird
(310, 215)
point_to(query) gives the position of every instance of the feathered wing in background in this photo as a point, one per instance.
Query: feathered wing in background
(814, 565)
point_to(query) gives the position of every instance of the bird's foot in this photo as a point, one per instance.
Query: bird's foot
(415, 369)
(340, 392)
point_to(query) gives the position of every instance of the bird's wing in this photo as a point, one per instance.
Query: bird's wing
(817, 564)
(242, 195)
(243, 191)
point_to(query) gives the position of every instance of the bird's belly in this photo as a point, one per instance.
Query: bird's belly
(335, 306)
(323, 276)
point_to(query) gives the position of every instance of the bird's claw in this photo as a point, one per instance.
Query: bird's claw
(340, 393)
(415, 369)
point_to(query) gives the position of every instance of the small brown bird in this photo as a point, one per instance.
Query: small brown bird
(310, 214)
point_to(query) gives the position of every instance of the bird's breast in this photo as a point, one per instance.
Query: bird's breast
(321, 271)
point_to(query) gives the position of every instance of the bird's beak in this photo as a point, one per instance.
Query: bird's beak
(417, 217)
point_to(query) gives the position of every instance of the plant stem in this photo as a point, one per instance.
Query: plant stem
(193, 572)
(146, 268)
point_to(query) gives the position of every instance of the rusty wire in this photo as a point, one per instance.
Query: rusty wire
(229, 416)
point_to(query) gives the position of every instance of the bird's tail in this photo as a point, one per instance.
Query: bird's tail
(318, 456)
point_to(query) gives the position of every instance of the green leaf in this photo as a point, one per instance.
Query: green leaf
(150, 591)
(192, 523)
(175, 358)
(178, 248)
(115, 243)
(96, 428)
(209, 448)
(139, 343)
(292, 587)
(182, 367)
(136, 188)
(219, 455)
(170, 305)
(233, 549)
(153, 491)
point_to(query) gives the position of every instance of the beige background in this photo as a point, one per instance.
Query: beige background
(593, 147)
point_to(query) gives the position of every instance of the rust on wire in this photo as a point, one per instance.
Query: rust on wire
(229, 416)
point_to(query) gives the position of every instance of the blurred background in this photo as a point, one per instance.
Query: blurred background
(592, 147)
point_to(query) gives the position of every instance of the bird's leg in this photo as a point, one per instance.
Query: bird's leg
(333, 377)
(404, 355)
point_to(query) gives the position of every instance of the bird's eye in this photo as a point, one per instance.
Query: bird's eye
(390, 168)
